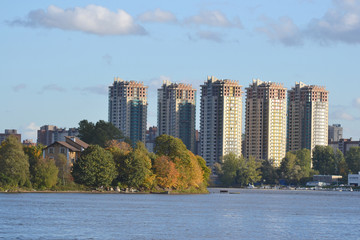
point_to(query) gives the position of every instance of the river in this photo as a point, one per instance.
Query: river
(251, 214)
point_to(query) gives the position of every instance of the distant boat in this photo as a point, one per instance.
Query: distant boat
(224, 191)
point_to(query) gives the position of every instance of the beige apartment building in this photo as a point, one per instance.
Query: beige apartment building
(176, 112)
(265, 126)
(308, 112)
(128, 108)
(220, 119)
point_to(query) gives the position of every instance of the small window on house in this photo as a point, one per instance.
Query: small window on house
(62, 150)
(51, 150)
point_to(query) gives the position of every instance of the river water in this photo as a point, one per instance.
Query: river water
(251, 214)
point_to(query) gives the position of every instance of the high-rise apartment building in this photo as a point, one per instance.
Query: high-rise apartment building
(265, 126)
(335, 132)
(308, 109)
(176, 112)
(128, 108)
(220, 119)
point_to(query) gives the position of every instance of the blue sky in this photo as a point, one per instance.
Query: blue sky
(58, 58)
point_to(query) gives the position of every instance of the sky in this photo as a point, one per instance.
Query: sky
(57, 58)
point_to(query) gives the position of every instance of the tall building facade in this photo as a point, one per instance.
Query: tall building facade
(128, 108)
(220, 119)
(308, 111)
(265, 126)
(176, 112)
(335, 132)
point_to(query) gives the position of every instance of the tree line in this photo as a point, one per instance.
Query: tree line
(296, 168)
(106, 163)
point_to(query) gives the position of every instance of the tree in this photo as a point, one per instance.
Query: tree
(205, 169)
(170, 146)
(95, 167)
(303, 159)
(324, 160)
(99, 133)
(353, 159)
(233, 169)
(46, 174)
(167, 175)
(341, 165)
(14, 164)
(290, 169)
(35, 155)
(134, 169)
(62, 164)
(269, 172)
(253, 171)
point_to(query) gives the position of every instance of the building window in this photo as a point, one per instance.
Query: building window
(62, 150)
(51, 150)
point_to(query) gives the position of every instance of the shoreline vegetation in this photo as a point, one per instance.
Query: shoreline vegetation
(119, 165)
(104, 165)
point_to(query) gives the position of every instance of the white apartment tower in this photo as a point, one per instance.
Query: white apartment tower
(220, 119)
(265, 126)
(128, 108)
(308, 111)
(176, 112)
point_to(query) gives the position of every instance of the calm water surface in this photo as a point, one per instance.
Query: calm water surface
(252, 214)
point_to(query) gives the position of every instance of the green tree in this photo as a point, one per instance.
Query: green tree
(353, 159)
(100, 133)
(205, 169)
(46, 174)
(35, 155)
(135, 168)
(233, 170)
(269, 172)
(62, 164)
(341, 165)
(253, 171)
(171, 147)
(303, 159)
(290, 169)
(14, 164)
(324, 160)
(95, 167)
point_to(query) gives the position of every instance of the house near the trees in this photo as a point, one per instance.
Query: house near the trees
(71, 148)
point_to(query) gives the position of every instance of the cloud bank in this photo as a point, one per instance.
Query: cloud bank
(213, 19)
(90, 19)
(158, 15)
(341, 23)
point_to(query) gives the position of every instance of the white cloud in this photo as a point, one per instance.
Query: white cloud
(157, 15)
(208, 35)
(356, 102)
(19, 87)
(342, 115)
(157, 82)
(90, 19)
(107, 58)
(339, 24)
(29, 131)
(284, 31)
(213, 19)
(52, 87)
(99, 89)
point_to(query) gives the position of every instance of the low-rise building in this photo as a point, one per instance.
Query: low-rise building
(329, 179)
(71, 148)
(9, 132)
(344, 145)
(354, 179)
